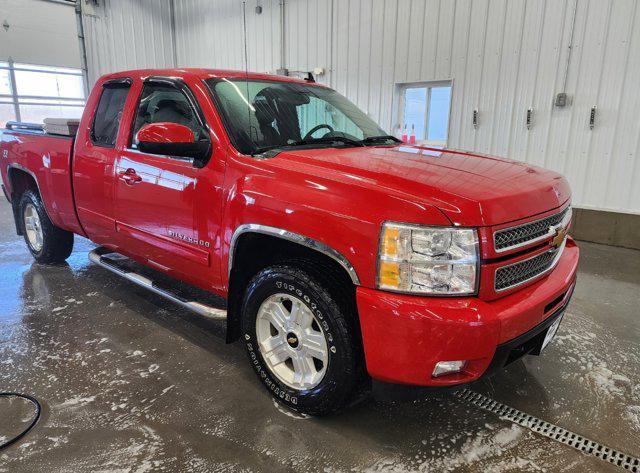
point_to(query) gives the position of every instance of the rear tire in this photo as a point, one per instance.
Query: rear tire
(328, 341)
(47, 243)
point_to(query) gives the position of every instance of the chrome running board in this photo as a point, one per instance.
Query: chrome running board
(127, 268)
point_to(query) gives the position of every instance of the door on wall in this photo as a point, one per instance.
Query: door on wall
(423, 113)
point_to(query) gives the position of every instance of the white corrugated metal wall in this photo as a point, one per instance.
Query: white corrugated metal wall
(210, 33)
(503, 57)
(127, 34)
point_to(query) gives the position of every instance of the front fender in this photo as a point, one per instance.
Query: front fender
(341, 216)
(296, 238)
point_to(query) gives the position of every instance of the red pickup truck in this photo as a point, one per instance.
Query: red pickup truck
(336, 253)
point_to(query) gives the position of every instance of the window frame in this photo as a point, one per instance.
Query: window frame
(428, 84)
(118, 83)
(180, 85)
(17, 100)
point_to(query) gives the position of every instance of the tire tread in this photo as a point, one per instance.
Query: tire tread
(325, 282)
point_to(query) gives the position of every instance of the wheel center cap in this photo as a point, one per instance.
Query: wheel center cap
(292, 340)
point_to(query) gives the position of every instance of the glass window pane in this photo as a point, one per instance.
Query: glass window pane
(5, 82)
(7, 114)
(107, 120)
(49, 85)
(264, 114)
(37, 113)
(439, 105)
(415, 110)
(320, 112)
(162, 103)
(37, 67)
(51, 101)
(312, 113)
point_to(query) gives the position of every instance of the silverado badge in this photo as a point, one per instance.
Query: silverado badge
(188, 239)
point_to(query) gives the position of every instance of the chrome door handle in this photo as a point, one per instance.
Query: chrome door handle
(130, 176)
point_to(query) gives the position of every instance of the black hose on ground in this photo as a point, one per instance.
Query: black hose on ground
(35, 419)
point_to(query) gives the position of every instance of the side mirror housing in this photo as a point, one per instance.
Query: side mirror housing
(173, 139)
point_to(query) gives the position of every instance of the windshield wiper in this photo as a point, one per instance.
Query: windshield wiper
(311, 141)
(327, 140)
(381, 138)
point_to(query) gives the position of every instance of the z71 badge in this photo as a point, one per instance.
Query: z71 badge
(193, 241)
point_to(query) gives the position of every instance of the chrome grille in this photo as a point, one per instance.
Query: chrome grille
(518, 273)
(527, 232)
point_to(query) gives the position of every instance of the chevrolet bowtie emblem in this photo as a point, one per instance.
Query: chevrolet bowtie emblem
(558, 238)
(292, 340)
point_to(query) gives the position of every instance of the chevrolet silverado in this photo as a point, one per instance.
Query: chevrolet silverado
(340, 256)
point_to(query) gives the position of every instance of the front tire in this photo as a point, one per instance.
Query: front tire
(300, 339)
(47, 243)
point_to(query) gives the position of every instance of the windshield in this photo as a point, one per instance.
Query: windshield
(261, 115)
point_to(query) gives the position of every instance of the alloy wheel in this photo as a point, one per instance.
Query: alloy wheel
(292, 341)
(33, 227)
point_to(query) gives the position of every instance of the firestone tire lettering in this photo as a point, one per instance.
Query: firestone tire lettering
(343, 370)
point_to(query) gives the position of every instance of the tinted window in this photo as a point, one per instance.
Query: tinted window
(262, 114)
(108, 115)
(162, 103)
(320, 111)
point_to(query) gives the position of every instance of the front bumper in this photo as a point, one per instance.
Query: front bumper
(405, 336)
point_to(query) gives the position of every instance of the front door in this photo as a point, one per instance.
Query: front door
(162, 201)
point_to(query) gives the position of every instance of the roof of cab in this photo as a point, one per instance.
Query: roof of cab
(203, 74)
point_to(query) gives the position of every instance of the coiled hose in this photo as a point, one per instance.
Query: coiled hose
(35, 419)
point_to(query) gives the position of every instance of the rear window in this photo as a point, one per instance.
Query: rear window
(108, 114)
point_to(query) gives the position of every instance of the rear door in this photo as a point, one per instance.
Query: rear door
(94, 162)
(164, 204)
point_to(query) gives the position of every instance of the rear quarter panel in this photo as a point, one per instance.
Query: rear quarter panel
(48, 160)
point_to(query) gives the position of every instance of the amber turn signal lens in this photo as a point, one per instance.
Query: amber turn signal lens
(389, 274)
(390, 242)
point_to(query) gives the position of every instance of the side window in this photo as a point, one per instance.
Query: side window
(108, 114)
(163, 103)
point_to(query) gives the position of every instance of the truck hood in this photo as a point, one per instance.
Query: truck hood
(471, 189)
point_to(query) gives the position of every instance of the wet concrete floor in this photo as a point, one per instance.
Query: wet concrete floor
(128, 382)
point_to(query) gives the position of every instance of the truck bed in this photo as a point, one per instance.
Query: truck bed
(47, 158)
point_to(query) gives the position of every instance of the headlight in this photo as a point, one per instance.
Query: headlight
(428, 260)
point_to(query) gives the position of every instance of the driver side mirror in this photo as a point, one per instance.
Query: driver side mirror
(173, 139)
